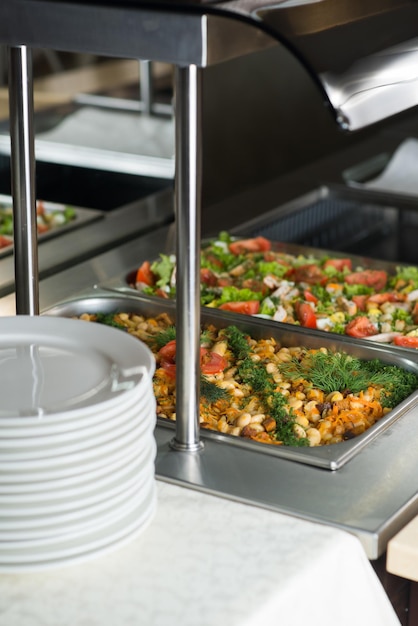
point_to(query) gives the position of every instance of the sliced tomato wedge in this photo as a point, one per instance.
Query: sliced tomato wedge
(210, 362)
(255, 244)
(406, 342)
(381, 298)
(360, 327)
(145, 275)
(305, 314)
(339, 264)
(247, 307)
(5, 241)
(360, 301)
(376, 279)
(161, 293)
(309, 296)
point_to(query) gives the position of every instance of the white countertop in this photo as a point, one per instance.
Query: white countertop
(208, 561)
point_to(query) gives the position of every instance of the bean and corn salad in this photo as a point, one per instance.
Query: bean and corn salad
(261, 390)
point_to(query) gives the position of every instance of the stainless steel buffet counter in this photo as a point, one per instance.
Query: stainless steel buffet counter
(373, 496)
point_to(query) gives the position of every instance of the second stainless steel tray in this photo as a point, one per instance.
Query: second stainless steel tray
(81, 217)
(330, 457)
(125, 283)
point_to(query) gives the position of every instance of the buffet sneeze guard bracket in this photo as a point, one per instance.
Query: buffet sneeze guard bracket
(360, 83)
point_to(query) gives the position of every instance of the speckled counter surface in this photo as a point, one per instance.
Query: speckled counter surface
(208, 561)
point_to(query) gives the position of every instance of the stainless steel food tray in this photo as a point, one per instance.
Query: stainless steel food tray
(262, 226)
(330, 457)
(82, 217)
(122, 284)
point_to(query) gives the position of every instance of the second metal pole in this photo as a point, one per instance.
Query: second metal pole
(187, 213)
(23, 181)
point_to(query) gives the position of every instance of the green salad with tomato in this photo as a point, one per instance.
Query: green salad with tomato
(250, 276)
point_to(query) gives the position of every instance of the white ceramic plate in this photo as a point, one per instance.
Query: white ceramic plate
(11, 474)
(72, 527)
(49, 366)
(87, 488)
(79, 419)
(18, 463)
(142, 409)
(27, 523)
(32, 448)
(98, 542)
(78, 532)
(47, 507)
(49, 485)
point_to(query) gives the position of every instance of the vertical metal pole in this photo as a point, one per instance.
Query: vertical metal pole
(188, 208)
(23, 181)
(145, 76)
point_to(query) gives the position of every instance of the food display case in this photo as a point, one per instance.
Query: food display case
(374, 493)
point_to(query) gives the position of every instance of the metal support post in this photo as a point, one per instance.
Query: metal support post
(23, 181)
(187, 213)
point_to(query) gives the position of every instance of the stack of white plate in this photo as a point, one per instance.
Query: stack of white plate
(77, 447)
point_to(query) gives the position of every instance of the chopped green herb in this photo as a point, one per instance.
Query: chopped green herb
(109, 320)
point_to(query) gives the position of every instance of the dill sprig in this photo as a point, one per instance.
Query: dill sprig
(108, 319)
(237, 342)
(164, 337)
(399, 383)
(169, 333)
(210, 391)
(338, 371)
(262, 384)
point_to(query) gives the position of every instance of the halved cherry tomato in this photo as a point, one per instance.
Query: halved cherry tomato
(309, 297)
(145, 274)
(305, 314)
(210, 362)
(255, 244)
(360, 327)
(247, 307)
(371, 278)
(339, 264)
(406, 342)
(168, 352)
(167, 358)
